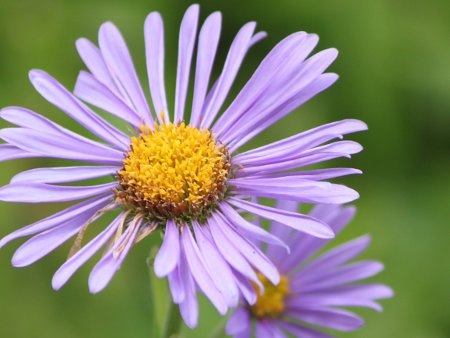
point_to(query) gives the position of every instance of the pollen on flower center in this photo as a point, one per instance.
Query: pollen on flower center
(173, 171)
(271, 302)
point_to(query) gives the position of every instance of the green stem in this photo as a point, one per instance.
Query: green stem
(173, 322)
(154, 327)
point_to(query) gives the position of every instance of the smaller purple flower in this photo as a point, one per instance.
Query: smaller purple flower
(311, 291)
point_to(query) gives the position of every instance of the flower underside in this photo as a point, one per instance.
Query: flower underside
(270, 303)
(173, 172)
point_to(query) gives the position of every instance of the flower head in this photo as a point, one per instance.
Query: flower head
(312, 288)
(177, 170)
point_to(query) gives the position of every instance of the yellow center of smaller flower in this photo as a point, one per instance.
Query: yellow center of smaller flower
(173, 171)
(271, 302)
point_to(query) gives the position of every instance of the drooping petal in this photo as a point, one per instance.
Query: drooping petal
(189, 304)
(86, 252)
(169, 253)
(9, 152)
(239, 321)
(108, 265)
(301, 331)
(61, 217)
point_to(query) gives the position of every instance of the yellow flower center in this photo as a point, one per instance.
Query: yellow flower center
(271, 302)
(173, 171)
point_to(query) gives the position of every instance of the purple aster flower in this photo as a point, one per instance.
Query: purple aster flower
(312, 287)
(177, 170)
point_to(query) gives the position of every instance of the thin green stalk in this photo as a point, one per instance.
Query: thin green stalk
(154, 327)
(173, 322)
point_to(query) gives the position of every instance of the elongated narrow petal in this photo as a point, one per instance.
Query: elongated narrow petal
(64, 174)
(299, 222)
(9, 152)
(169, 254)
(188, 31)
(76, 261)
(27, 192)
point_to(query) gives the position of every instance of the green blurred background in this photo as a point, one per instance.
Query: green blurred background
(395, 75)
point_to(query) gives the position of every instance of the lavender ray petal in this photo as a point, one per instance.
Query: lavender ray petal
(176, 285)
(154, 52)
(330, 318)
(315, 174)
(40, 245)
(86, 252)
(189, 305)
(238, 49)
(93, 59)
(91, 90)
(58, 146)
(60, 97)
(312, 156)
(56, 219)
(220, 271)
(335, 277)
(229, 252)
(268, 107)
(251, 253)
(252, 230)
(295, 189)
(239, 321)
(246, 288)
(186, 43)
(169, 253)
(298, 330)
(64, 174)
(108, 265)
(268, 328)
(292, 47)
(250, 130)
(299, 222)
(303, 247)
(200, 272)
(303, 141)
(207, 48)
(27, 192)
(10, 152)
(338, 256)
(120, 65)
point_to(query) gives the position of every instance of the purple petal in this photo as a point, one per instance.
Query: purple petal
(189, 305)
(316, 174)
(91, 90)
(64, 174)
(86, 252)
(299, 222)
(105, 269)
(301, 142)
(169, 253)
(59, 96)
(27, 192)
(188, 31)
(10, 152)
(238, 49)
(304, 332)
(58, 146)
(340, 255)
(247, 289)
(268, 328)
(250, 130)
(93, 59)
(61, 217)
(200, 272)
(249, 228)
(207, 47)
(239, 321)
(251, 253)
(176, 285)
(120, 65)
(47, 241)
(292, 188)
(154, 52)
(292, 47)
(220, 271)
